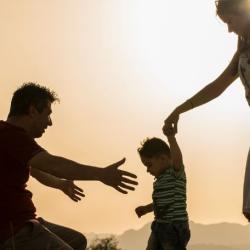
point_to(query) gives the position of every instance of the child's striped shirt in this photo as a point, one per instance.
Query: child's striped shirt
(169, 196)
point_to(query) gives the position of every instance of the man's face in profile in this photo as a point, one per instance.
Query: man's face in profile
(40, 121)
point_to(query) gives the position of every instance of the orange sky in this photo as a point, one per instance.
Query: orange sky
(119, 67)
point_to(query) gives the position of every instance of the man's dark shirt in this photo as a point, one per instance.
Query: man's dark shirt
(16, 206)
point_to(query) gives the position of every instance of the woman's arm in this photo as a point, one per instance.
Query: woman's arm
(210, 92)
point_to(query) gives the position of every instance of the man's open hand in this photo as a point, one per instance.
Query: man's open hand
(118, 179)
(70, 189)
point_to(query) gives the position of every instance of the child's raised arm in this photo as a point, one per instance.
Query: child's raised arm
(175, 150)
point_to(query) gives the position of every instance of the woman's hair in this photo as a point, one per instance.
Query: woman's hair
(225, 7)
(235, 7)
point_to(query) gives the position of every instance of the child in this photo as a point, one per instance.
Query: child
(170, 228)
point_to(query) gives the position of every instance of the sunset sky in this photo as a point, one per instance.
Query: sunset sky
(120, 67)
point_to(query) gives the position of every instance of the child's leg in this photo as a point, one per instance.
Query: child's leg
(183, 233)
(153, 241)
(167, 236)
(169, 246)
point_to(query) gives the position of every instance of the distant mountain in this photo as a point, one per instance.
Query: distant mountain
(228, 234)
(222, 236)
(134, 239)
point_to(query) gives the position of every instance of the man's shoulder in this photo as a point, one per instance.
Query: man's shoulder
(3, 125)
(17, 143)
(8, 129)
(13, 135)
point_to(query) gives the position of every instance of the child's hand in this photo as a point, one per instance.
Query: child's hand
(140, 211)
(70, 189)
(169, 131)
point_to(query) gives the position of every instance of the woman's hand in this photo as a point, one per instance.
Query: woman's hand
(169, 131)
(171, 121)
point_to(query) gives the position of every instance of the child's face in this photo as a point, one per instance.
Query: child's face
(156, 165)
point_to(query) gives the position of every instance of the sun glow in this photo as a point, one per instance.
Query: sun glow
(119, 68)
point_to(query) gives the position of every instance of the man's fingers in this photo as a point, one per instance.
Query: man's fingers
(117, 164)
(79, 193)
(123, 185)
(120, 190)
(128, 174)
(126, 180)
(77, 188)
(76, 197)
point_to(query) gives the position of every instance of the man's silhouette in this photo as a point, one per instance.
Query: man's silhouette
(20, 228)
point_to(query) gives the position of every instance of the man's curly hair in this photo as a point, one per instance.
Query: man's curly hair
(31, 94)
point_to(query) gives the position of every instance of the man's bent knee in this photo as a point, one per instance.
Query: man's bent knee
(82, 242)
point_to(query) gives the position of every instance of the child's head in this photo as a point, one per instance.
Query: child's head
(155, 155)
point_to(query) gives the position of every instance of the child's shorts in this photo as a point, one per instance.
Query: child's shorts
(169, 236)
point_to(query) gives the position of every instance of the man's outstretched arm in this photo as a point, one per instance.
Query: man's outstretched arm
(71, 170)
(67, 186)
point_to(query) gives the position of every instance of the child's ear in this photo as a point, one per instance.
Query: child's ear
(171, 161)
(168, 159)
(163, 157)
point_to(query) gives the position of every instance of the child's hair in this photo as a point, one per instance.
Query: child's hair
(152, 147)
